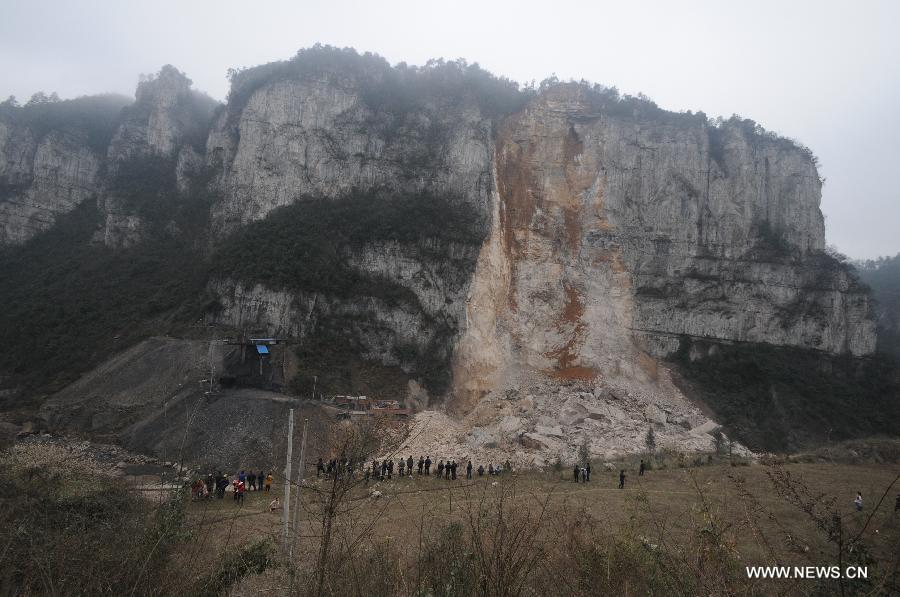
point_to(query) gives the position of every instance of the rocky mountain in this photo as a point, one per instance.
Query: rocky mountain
(443, 236)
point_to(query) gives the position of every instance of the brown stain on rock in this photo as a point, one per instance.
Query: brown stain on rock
(570, 323)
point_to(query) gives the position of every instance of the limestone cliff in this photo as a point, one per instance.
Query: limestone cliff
(41, 177)
(56, 154)
(463, 234)
(620, 231)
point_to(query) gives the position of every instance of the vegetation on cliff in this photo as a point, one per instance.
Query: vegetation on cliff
(69, 302)
(774, 398)
(882, 275)
(395, 89)
(307, 246)
(95, 116)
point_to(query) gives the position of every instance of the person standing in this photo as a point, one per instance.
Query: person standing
(480, 470)
(469, 470)
(251, 478)
(622, 479)
(490, 469)
(269, 480)
(409, 465)
(440, 468)
(453, 471)
(320, 468)
(427, 466)
(587, 470)
(858, 502)
(421, 464)
(402, 465)
(641, 470)
(575, 472)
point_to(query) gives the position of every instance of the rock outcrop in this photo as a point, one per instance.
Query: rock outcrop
(319, 137)
(604, 231)
(41, 178)
(617, 234)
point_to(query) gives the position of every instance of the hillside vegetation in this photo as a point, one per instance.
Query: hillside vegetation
(780, 399)
(883, 277)
(95, 116)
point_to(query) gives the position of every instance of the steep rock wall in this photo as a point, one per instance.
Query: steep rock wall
(619, 233)
(41, 178)
(319, 137)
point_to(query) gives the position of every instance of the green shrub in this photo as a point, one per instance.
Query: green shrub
(305, 246)
(95, 116)
(782, 398)
(70, 302)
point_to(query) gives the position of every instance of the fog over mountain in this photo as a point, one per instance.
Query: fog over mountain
(824, 73)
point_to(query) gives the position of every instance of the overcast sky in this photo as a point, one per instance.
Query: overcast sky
(826, 73)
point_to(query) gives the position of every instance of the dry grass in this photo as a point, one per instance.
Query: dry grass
(666, 509)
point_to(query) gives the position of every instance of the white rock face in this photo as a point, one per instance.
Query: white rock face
(610, 232)
(318, 137)
(44, 178)
(159, 119)
(614, 235)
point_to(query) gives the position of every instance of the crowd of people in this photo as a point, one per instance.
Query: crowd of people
(217, 485)
(385, 469)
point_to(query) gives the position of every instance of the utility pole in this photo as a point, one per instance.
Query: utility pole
(212, 364)
(301, 474)
(287, 478)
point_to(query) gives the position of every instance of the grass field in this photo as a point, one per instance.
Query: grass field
(752, 520)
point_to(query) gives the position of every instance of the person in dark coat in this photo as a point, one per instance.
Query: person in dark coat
(641, 470)
(453, 471)
(421, 464)
(480, 470)
(575, 472)
(409, 465)
(469, 470)
(440, 469)
(428, 466)
(251, 481)
(622, 479)
(587, 472)
(320, 468)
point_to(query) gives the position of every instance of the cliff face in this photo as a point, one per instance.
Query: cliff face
(55, 155)
(41, 178)
(319, 137)
(617, 235)
(323, 137)
(599, 231)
